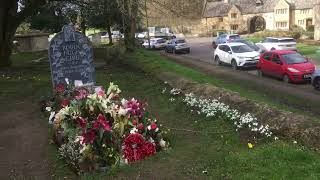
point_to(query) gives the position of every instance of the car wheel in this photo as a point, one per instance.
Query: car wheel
(286, 79)
(316, 83)
(174, 51)
(166, 50)
(217, 60)
(272, 49)
(188, 51)
(234, 65)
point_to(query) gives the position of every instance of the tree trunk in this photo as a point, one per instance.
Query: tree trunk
(109, 34)
(8, 27)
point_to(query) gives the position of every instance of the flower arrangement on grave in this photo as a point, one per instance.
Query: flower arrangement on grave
(96, 129)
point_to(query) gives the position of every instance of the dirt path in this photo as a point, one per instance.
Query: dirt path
(23, 142)
(267, 86)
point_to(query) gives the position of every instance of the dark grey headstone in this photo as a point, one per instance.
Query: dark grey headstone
(71, 56)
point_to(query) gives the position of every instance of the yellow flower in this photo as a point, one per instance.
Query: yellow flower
(250, 146)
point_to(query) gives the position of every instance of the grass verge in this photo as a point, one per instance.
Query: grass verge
(152, 62)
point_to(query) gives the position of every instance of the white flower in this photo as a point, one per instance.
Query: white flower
(276, 138)
(149, 127)
(48, 109)
(295, 142)
(151, 140)
(156, 130)
(123, 101)
(67, 80)
(133, 130)
(162, 143)
(122, 111)
(52, 114)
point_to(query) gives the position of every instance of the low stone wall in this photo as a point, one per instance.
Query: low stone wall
(32, 42)
(284, 124)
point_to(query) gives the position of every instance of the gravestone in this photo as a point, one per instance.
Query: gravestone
(71, 56)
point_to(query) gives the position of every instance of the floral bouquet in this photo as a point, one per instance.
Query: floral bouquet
(96, 129)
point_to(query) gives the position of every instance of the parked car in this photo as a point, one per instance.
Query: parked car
(270, 43)
(116, 35)
(315, 79)
(155, 43)
(177, 45)
(224, 38)
(236, 54)
(250, 44)
(287, 65)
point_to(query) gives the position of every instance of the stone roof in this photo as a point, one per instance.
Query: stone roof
(220, 8)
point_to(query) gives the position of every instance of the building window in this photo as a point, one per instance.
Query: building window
(301, 22)
(214, 27)
(304, 11)
(220, 19)
(234, 27)
(233, 15)
(281, 11)
(281, 24)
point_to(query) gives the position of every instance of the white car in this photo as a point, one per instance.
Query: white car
(155, 43)
(270, 43)
(236, 54)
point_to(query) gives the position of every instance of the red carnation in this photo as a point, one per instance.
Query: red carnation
(149, 149)
(133, 147)
(89, 137)
(60, 88)
(65, 103)
(153, 126)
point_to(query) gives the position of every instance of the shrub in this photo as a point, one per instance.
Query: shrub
(310, 28)
(292, 34)
(110, 53)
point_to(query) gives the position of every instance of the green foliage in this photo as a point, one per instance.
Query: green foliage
(310, 28)
(48, 19)
(292, 34)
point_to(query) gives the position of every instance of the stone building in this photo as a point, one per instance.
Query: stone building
(255, 15)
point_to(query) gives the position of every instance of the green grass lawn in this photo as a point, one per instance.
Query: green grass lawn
(214, 152)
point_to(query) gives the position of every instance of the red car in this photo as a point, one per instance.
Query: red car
(287, 65)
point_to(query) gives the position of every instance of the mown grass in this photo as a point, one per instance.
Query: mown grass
(213, 152)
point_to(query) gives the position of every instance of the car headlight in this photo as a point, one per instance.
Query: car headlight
(293, 70)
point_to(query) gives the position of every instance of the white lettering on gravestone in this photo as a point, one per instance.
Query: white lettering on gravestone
(71, 57)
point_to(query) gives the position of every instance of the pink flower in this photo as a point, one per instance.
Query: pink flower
(101, 92)
(60, 88)
(101, 122)
(65, 103)
(134, 107)
(153, 126)
(81, 94)
(81, 122)
(141, 126)
(134, 122)
(88, 137)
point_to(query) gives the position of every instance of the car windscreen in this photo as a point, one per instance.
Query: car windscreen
(180, 41)
(286, 40)
(241, 49)
(294, 58)
(233, 37)
(161, 41)
(249, 43)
